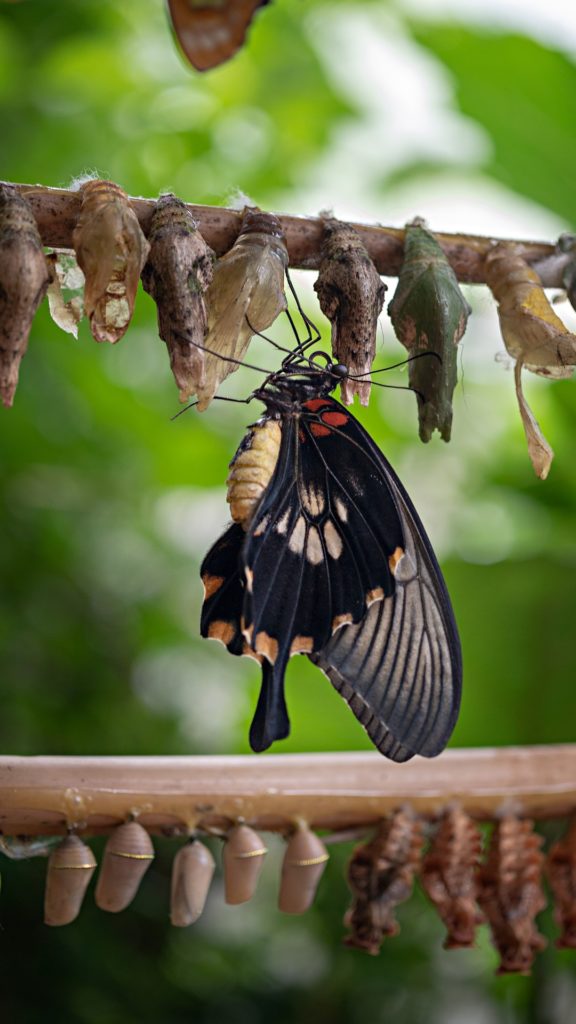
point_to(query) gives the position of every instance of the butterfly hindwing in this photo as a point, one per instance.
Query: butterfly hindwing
(400, 669)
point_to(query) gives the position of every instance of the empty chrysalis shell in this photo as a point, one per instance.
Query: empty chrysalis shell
(127, 857)
(70, 868)
(111, 250)
(192, 873)
(302, 868)
(243, 859)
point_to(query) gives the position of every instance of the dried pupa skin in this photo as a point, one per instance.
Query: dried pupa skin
(561, 872)
(532, 331)
(179, 269)
(381, 876)
(304, 864)
(243, 860)
(429, 315)
(251, 470)
(192, 874)
(567, 244)
(111, 251)
(246, 295)
(24, 279)
(70, 868)
(66, 273)
(127, 856)
(351, 294)
(449, 877)
(510, 893)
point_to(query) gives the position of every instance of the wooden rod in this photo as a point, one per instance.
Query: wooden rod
(45, 795)
(56, 211)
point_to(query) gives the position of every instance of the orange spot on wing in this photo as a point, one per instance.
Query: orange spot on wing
(335, 419)
(319, 430)
(374, 595)
(394, 559)
(267, 646)
(302, 645)
(340, 620)
(211, 584)
(316, 403)
(223, 631)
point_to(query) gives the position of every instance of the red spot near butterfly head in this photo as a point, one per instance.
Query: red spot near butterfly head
(316, 403)
(334, 419)
(302, 436)
(319, 430)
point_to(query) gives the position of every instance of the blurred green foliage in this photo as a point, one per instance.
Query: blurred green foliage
(108, 507)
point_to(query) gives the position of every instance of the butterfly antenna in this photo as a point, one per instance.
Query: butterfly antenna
(395, 366)
(215, 398)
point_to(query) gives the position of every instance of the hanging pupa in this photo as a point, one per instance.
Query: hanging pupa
(111, 251)
(70, 868)
(429, 315)
(243, 860)
(351, 294)
(178, 272)
(24, 278)
(192, 874)
(561, 872)
(127, 856)
(510, 893)
(449, 877)
(304, 863)
(246, 295)
(533, 334)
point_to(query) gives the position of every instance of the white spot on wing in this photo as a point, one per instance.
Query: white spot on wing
(282, 524)
(333, 539)
(341, 509)
(314, 552)
(312, 500)
(298, 536)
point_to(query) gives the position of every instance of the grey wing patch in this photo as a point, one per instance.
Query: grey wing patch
(399, 669)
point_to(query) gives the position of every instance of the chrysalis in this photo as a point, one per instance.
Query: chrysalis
(429, 314)
(449, 877)
(192, 873)
(510, 893)
(561, 871)
(127, 856)
(178, 272)
(66, 275)
(243, 859)
(111, 250)
(246, 295)
(24, 278)
(70, 868)
(381, 875)
(351, 294)
(533, 334)
(302, 868)
(211, 31)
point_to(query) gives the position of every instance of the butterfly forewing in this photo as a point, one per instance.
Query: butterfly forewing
(319, 548)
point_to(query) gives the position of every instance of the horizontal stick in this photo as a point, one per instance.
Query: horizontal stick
(44, 795)
(56, 211)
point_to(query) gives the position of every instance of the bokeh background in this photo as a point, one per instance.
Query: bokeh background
(461, 112)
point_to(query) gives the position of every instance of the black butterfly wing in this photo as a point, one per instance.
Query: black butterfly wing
(224, 591)
(222, 618)
(400, 669)
(320, 548)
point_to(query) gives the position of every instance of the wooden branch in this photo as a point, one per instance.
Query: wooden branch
(44, 795)
(56, 211)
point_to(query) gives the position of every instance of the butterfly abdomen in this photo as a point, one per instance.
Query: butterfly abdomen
(251, 470)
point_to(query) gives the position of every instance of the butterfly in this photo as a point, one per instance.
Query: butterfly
(211, 31)
(327, 557)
